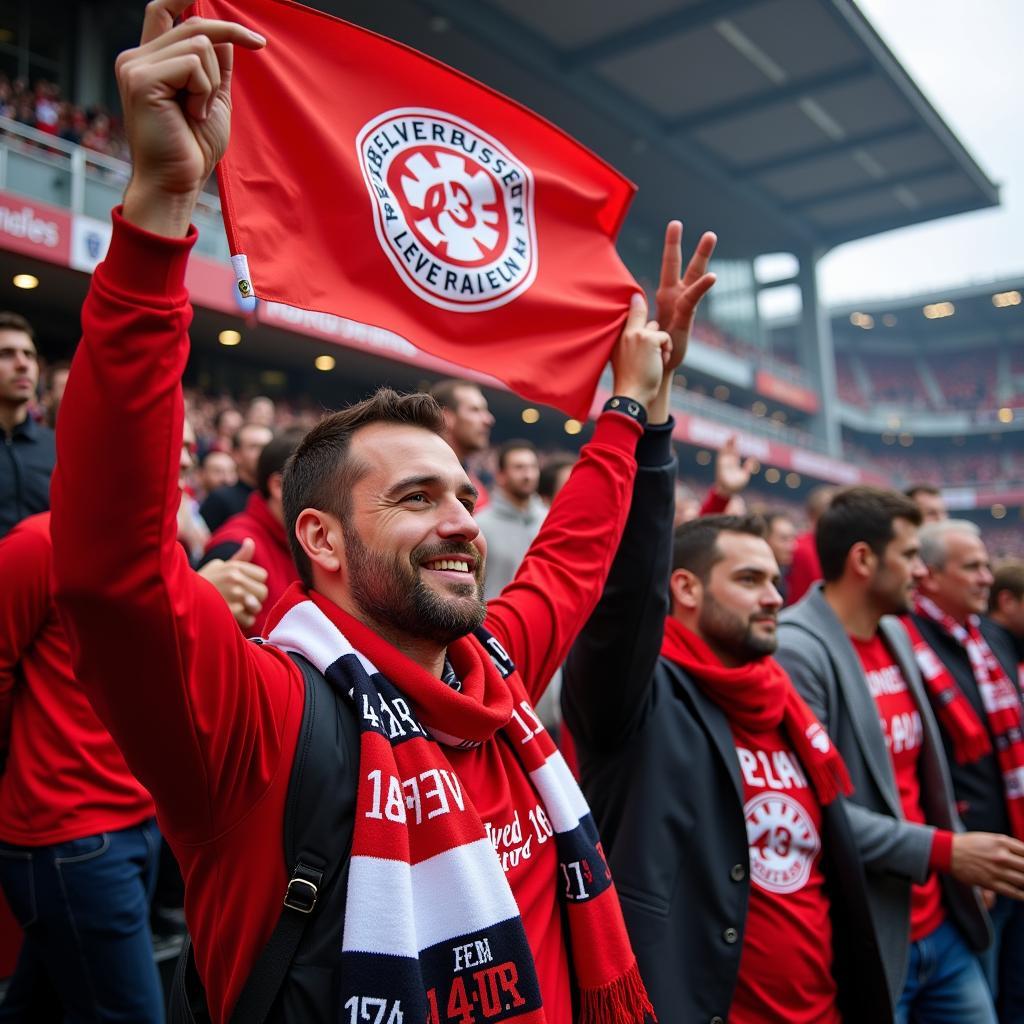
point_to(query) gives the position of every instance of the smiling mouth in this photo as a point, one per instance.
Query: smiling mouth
(461, 565)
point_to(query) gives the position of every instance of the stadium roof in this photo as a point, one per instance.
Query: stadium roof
(781, 123)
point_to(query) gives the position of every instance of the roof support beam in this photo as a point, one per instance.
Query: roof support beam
(875, 185)
(653, 31)
(861, 229)
(848, 145)
(770, 97)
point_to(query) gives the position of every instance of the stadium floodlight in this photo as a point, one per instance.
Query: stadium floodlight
(324, 363)
(938, 310)
(229, 338)
(26, 281)
(530, 415)
(1002, 300)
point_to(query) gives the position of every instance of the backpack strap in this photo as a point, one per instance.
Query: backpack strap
(311, 865)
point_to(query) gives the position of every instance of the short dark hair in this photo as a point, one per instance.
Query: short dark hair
(16, 322)
(770, 518)
(320, 474)
(516, 445)
(275, 455)
(1008, 578)
(549, 474)
(695, 544)
(221, 413)
(445, 392)
(859, 514)
(915, 489)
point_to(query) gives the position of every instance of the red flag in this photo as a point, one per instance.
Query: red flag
(368, 180)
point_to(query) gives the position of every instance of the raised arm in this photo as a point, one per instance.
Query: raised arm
(154, 644)
(540, 613)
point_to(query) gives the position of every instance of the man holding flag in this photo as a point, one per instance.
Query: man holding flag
(474, 885)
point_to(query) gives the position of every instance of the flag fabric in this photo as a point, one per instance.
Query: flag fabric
(370, 181)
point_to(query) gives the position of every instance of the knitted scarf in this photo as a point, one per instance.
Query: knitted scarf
(999, 697)
(432, 931)
(759, 696)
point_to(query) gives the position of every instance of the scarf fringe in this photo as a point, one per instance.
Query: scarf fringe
(622, 1001)
(830, 778)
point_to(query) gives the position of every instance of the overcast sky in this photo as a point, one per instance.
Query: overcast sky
(968, 59)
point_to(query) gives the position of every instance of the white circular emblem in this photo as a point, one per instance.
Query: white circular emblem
(783, 842)
(453, 208)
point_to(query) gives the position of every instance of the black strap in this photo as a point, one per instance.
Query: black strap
(313, 869)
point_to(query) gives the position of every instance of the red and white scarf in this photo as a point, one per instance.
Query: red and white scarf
(999, 697)
(759, 696)
(427, 897)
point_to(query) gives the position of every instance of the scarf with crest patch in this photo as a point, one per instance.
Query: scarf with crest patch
(432, 930)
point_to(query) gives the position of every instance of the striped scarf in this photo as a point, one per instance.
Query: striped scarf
(427, 898)
(999, 697)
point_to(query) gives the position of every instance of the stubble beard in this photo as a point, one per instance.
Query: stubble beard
(391, 594)
(727, 631)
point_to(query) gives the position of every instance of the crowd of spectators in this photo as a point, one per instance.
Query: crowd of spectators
(43, 107)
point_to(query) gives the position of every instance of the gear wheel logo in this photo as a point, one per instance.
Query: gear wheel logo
(453, 208)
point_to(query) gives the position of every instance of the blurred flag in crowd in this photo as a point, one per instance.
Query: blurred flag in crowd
(368, 180)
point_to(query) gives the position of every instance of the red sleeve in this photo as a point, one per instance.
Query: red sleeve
(714, 503)
(24, 604)
(198, 712)
(561, 578)
(941, 858)
(805, 570)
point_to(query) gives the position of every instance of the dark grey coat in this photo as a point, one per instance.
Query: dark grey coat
(822, 662)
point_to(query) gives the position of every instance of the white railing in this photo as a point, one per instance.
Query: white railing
(51, 170)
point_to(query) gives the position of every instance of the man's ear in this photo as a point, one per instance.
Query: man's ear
(320, 536)
(928, 584)
(687, 591)
(861, 561)
(274, 486)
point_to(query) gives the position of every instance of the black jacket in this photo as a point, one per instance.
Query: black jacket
(980, 796)
(660, 771)
(26, 463)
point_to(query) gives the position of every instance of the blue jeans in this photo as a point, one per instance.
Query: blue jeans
(84, 907)
(945, 983)
(1003, 961)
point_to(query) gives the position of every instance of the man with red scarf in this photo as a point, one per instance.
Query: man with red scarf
(473, 855)
(971, 681)
(850, 659)
(715, 788)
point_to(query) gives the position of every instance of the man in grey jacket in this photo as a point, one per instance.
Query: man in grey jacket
(853, 664)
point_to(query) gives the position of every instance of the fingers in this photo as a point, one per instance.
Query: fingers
(218, 32)
(159, 18)
(698, 264)
(672, 255)
(245, 552)
(637, 315)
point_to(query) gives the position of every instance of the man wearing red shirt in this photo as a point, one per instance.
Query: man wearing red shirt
(743, 886)
(262, 521)
(805, 569)
(78, 840)
(853, 663)
(380, 519)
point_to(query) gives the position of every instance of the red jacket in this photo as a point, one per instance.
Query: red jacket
(272, 552)
(207, 720)
(64, 777)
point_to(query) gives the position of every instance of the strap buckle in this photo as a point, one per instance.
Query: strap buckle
(301, 895)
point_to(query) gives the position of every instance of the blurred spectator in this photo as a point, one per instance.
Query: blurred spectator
(468, 423)
(553, 474)
(216, 469)
(226, 424)
(1006, 608)
(225, 502)
(192, 531)
(806, 568)
(687, 505)
(262, 412)
(262, 521)
(929, 501)
(514, 515)
(56, 381)
(781, 537)
(28, 449)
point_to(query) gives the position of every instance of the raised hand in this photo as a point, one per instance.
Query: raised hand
(679, 294)
(732, 474)
(175, 92)
(640, 355)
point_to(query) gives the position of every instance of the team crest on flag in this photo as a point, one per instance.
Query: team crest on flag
(453, 208)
